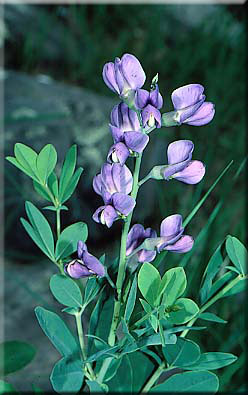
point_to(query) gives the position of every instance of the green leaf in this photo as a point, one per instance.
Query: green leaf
(94, 319)
(212, 361)
(67, 375)
(15, 162)
(91, 290)
(112, 369)
(6, 387)
(53, 184)
(131, 300)
(218, 284)
(68, 169)
(15, 355)
(57, 331)
(66, 291)
(202, 381)
(211, 270)
(237, 253)
(122, 382)
(41, 227)
(42, 191)
(149, 282)
(152, 318)
(212, 317)
(26, 156)
(188, 309)
(94, 386)
(35, 237)
(71, 185)
(70, 310)
(52, 208)
(183, 353)
(173, 285)
(46, 162)
(68, 239)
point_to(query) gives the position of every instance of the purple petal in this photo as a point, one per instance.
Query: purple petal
(170, 231)
(107, 177)
(202, 116)
(97, 184)
(132, 71)
(146, 256)
(109, 78)
(118, 153)
(117, 133)
(124, 118)
(180, 151)
(151, 115)
(75, 269)
(150, 233)
(136, 141)
(107, 197)
(141, 98)
(93, 264)
(122, 84)
(110, 215)
(134, 238)
(97, 214)
(81, 247)
(123, 203)
(192, 173)
(184, 244)
(122, 178)
(187, 95)
(155, 98)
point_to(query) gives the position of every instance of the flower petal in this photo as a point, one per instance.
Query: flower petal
(93, 264)
(118, 153)
(75, 269)
(170, 229)
(124, 118)
(136, 141)
(117, 133)
(132, 71)
(119, 77)
(155, 98)
(149, 111)
(97, 214)
(184, 244)
(180, 151)
(134, 238)
(110, 215)
(202, 116)
(122, 178)
(107, 177)
(192, 173)
(146, 256)
(97, 184)
(123, 203)
(109, 78)
(187, 95)
(81, 247)
(141, 98)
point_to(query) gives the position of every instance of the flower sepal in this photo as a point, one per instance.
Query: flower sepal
(170, 119)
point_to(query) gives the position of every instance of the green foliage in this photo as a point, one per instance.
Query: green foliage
(202, 381)
(67, 375)
(131, 300)
(46, 162)
(91, 290)
(172, 286)
(66, 291)
(212, 361)
(187, 309)
(212, 317)
(67, 170)
(39, 230)
(94, 386)
(149, 282)
(15, 355)
(68, 239)
(6, 387)
(237, 254)
(184, 352)
(57, 331)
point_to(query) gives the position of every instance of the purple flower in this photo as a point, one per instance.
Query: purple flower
(135, 238)
(171, 235)
(191, 108)
(149, 103)
(86, 265)
(180, 166)
(124, 74)
(124, 119)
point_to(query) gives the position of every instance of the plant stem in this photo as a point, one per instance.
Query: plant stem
(154, 378)
(58, 222)
(78, 317)
(221, 293)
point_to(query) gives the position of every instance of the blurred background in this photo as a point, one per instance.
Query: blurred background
(54, 93)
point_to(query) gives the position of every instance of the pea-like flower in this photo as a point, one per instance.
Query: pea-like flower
(180, 166)
(86, 265)
(171, 236)
(113, 184)
(191, 108)
(136, 236)
(149, 103)
(124, 75)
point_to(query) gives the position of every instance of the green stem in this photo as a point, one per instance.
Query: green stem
(219, 295)
(78, 317)
(58, 222)
(154, 378)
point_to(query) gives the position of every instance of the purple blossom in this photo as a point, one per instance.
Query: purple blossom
(149, 103)
(191, 108)
(171, 235)
(86, 265)
(124, 119)
(180, 166)
(135, 238)
(124, 75)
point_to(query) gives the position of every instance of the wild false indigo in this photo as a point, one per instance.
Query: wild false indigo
(135, 238)
(149, 103)
(124, 75)
(86, 265)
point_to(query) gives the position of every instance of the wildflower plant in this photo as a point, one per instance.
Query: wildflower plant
(139, 320)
